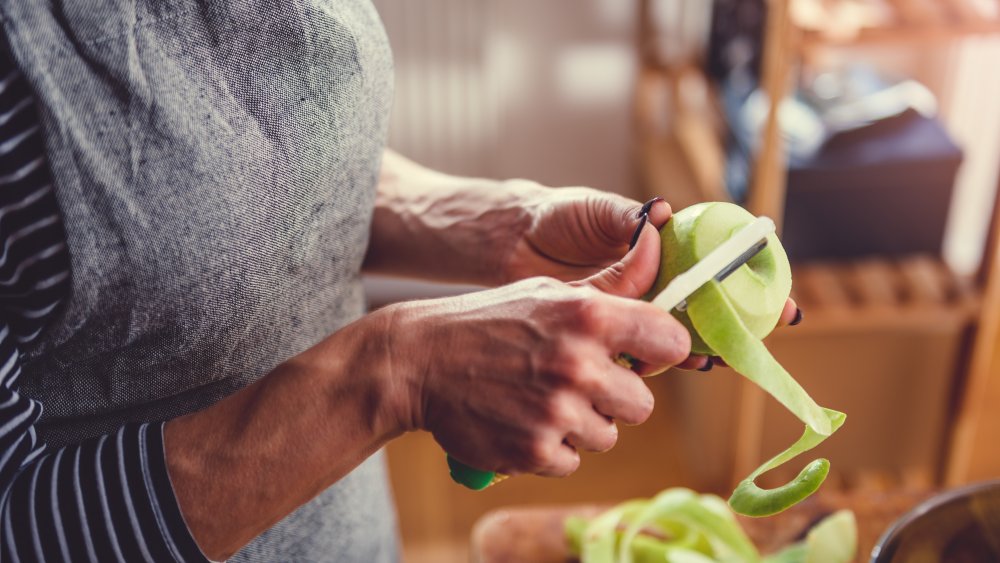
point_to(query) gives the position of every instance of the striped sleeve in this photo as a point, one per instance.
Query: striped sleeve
(107, 499)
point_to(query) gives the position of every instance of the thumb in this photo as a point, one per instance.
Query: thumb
(634, 274)
(619, 217)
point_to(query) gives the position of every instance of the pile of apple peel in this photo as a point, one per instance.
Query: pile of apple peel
(681, 526)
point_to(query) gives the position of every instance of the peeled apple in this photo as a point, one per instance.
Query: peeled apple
(757, 292)
(729, 319)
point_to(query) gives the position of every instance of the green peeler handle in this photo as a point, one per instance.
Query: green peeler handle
(470, 477)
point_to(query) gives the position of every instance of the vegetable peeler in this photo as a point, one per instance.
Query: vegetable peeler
(717, 266)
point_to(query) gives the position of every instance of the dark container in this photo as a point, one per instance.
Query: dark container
(959, 526)
(883, 189)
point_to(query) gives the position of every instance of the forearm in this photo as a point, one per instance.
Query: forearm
(435, 226)
(246, 462)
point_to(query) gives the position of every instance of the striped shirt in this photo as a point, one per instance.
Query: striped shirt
(109, 498)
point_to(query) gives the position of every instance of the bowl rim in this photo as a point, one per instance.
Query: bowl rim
(942, 498)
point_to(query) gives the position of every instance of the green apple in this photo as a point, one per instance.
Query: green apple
(757, 290)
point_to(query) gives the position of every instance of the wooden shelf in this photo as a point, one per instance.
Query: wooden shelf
(897, 36)
(909, 22)
(682, 159)
(885, 293)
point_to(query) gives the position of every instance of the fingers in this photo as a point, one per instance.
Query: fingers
(635, 273)
(586, 418)
(618, 393)
(659, 213)
(584, 428)
(594, 432)
(561, 460)
(644, 331)
(548, 386)
(700, 363)
(615, 393)
(553, 450)
(647, 333)
(626, 222)
(619, 216)
(791, 314)
(602, 392)
(579, 416)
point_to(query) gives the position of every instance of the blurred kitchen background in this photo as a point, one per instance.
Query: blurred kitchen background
(881, 162)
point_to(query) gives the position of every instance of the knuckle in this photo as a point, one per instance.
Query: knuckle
(591, 315)
(620, 281)
(565, 364)
(538, 452)
(594, 383)
(547, 283)
(560, 414)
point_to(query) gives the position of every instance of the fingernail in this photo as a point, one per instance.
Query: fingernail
(798, 317)
(638, 231)
(708, 365)
(644, 210)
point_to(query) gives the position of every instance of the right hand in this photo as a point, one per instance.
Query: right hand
(516, 379)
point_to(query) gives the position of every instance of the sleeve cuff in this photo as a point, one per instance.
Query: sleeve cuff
(173, 527)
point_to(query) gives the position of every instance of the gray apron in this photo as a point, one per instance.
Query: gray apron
(215, 164)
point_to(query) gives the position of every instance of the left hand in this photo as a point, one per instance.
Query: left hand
(577, 232)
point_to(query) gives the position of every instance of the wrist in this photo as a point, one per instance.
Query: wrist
(355, 366)
(397, 365)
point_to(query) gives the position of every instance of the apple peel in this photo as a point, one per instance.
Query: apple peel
(729, 319)
(681, 526)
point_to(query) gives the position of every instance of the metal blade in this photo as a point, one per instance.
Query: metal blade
(718, 264)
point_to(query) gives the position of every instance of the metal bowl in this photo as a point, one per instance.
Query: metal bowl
(958, 526)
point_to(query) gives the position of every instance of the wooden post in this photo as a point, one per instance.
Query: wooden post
(646, 35)
(975, 444)
(767, 192)
(766, 197)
